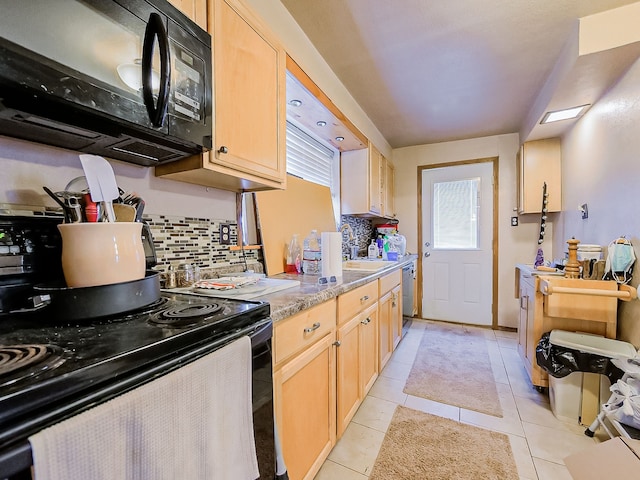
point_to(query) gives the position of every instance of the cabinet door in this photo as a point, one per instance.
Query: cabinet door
(368, 349)
(196, 10)
(375, 180)
(396, 316)
(388, 202)
(348, 373)
(249, 94)
(526, 342)
(361, 184)
(539, 162)
(385, 329)
(357, 363)
(304, 395)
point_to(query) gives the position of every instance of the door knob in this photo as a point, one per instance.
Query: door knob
(427, 254)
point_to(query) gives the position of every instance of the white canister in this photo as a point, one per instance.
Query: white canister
(102, 253)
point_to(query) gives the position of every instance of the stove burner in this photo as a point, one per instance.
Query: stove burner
(23, 361)
(184, 315)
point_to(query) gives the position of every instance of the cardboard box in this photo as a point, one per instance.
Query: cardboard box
(617, 458)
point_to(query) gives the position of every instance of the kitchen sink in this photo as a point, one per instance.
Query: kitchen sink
(367, 265)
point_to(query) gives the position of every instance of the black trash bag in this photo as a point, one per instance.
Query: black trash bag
(560, 361)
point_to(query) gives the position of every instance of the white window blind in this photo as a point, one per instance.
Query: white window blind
(307, 158)
(455, 214)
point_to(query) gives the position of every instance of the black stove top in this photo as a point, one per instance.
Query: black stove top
(42, 363)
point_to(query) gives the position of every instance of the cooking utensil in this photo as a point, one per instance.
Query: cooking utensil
(91, 209)
(137, 202)
(65, 207)
(75, 208)
(101, 181)
(71, 304)
(124, 213)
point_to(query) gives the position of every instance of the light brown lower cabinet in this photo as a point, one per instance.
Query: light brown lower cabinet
(357, 363)
(390, 315)
(326, 359)
(304, 384)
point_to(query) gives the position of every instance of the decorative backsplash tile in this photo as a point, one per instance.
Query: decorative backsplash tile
(362, 229)
(197, 241)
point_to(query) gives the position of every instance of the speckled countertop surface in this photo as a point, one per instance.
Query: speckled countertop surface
(293, 300)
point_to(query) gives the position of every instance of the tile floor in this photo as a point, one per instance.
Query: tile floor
(539, 441)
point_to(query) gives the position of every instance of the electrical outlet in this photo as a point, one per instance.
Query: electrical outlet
(585, 211)
(225, 234)
(514, 221)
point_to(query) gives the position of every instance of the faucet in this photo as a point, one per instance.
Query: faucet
(352, 238)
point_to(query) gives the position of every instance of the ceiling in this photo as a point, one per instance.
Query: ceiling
(432, 71)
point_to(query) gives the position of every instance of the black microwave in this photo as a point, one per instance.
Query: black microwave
(126, 79)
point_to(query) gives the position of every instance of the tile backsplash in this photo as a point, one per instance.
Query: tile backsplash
(197, 241)
(362, 229)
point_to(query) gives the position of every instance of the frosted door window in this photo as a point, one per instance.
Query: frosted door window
(455, 214)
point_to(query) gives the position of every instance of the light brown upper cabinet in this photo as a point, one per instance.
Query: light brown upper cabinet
(196, 10)
(539, 162)
(388, 203)
(362, 182)
(249, 132)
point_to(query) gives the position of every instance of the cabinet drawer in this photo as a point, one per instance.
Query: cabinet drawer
(353, 302)
(293, 334)
(389, 281)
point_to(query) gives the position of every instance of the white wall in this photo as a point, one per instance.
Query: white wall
(27, 167)
(601, 167)
(515, 244)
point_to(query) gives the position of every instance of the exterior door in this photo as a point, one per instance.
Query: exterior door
(457, 205)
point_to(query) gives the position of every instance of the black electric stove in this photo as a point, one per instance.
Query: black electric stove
(42, 363)
(52, 369)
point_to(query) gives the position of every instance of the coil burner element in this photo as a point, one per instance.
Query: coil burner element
(185, 315)
(18, 362)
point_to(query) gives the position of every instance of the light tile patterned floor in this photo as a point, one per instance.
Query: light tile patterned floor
(539, 441)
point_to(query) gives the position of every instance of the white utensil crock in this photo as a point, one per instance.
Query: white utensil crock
(102, 253)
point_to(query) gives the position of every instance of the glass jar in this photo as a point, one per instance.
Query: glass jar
(185, 276)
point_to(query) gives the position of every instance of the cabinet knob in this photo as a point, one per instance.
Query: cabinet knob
(310, 329)
(336, 343)
(223, 149)
(364, 299)
(366, 321)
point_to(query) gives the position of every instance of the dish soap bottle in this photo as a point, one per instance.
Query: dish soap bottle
(294, 256)
(373, 250)
(311, 254)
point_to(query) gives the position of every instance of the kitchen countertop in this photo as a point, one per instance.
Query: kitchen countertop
(293, 300)
(530, 269)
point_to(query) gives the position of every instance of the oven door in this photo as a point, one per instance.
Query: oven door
(15, 462)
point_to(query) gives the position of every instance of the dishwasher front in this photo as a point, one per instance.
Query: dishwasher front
(408, 277)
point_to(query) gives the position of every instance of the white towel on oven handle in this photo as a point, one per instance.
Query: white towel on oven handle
(195, 422)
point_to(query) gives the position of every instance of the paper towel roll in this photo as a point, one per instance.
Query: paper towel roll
(331, 248)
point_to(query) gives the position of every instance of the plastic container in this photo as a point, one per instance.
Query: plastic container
(293, 256)
(311, 254)
(372, 251)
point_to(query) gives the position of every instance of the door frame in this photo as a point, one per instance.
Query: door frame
(494, 242)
